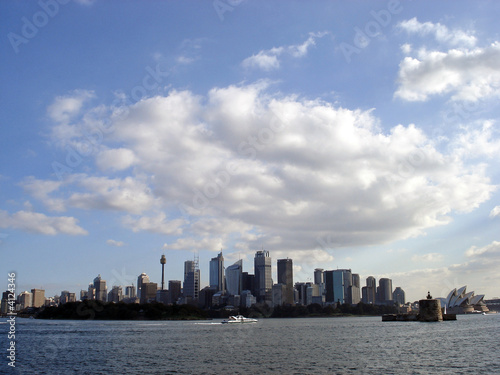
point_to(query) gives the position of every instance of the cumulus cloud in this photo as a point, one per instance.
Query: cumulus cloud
(466, 74)
(440, 32)
(246, 167)
(495, 212)
(39, 223)
(269, 59)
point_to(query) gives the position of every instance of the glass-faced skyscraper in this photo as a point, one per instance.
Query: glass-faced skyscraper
(101, 293)
(285, 277)
(217, 272)
(263, 276)
(234, 278)
(191, 280)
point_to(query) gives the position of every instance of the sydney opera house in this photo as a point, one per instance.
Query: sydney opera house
(461, 302)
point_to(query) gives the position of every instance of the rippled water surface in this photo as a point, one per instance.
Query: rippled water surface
(469, 345)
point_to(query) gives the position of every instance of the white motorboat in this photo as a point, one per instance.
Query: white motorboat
(239, 319)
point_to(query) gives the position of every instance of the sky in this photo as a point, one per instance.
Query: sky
(360, 135)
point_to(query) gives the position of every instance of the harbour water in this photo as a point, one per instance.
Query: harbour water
(360, 345)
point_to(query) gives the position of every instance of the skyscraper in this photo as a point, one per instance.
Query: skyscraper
(130, 291)
(342, 286)
(217, 272)
(285, 277)
(174, 286)
(101, 293)
(38, 297)
(148, 292)
(329, 295)
(142, 279)
(234, 278)
(263, 276)
(385, 291)
(319, 276)
(355, 289)
(399, 296)
(370, 291)
(191, 280)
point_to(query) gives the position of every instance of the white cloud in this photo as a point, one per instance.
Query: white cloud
(40, 223)
(468, 75)
(64, 108)
(155, 224)
(495, 212)
(115, 159)
(41, 190)
(115, 243)
(248, 168)
(101, 193)
(440, 32)
(269, 59)
(478, 139)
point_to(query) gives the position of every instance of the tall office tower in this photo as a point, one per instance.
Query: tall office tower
(24, 299)
(174, 286)
(148, 292)
(342, 286)
(355, 290)
(64, 298)
(4, 309)
(163, 260)
(191, 280)
(399, 296)
(329, 297)
(142, 279)
(385, 291)
(278, 293)
(263, 276)
(233, 278)
(319, 276)
(115, 294)
(285, 277)
(101, 293)
(38, 296)
(369, 296)
(247, 282)
(91, 292)
(217, 272)
(130, 291)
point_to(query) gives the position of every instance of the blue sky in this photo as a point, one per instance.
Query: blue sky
(360, 135)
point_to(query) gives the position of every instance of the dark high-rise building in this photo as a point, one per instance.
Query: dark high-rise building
(247, 281)
(399, 296)
(174, 286)
(217, 273)
(148, 292)
(234, 278)
(130, 291)
(101, 292)
(370, 291)
(263, 276)
(329, 296)
(285, 277)
(191, 289)
(385, 291)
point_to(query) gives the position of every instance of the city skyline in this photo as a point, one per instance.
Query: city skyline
(359, 136)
